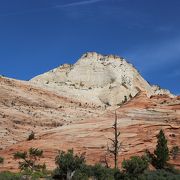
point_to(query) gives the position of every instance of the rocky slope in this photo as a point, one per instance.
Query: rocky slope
(99, 79)
(73, 107)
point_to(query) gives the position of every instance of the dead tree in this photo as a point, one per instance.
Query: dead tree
(104, 160)
(115, 146)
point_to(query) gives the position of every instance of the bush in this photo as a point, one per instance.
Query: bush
(174, 152)
(159, 175)
(170, 168)
(74, 167)
(31, 136)
(9, 176)
(67, 164)
(80, 176)
(83, 173)
(36, 175)
(23, 176)
(28, 163)
(135, 166)
(1, 160)
(98, 172)
(102, 173)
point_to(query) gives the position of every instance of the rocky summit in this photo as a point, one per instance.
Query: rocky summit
(94, 78)
(72, 106)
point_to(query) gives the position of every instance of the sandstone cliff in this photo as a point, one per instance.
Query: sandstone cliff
(73, 106)
(103, 80)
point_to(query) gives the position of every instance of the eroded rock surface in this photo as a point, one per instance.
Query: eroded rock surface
(98, 79)
(66, 109)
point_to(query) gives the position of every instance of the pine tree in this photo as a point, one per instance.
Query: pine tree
(161, 153)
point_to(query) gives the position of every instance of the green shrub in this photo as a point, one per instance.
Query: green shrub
(97, 172)
(174, 152)
(23, 176)
(83, 173)
(102, 173)
(31, 136)
(135, 166)
(9, 176)
(38, 175)
(80, 175)
(29, 160)
(170, 168)
(67, 164)
(1, 160)
(160, 174)
(74, 167)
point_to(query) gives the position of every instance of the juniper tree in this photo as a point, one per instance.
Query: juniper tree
(68, 164)
(29, 160)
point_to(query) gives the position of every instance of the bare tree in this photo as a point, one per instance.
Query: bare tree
(104, 160)
(115, 146)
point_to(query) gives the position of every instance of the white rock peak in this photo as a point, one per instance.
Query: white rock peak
(98, 79)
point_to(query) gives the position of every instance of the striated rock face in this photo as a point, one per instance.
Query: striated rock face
(67, 108)
(158, 91)
(61, 123)
(98, 79)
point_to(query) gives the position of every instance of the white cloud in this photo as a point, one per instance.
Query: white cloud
(79, 3)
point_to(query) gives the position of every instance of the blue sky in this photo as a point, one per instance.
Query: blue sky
(38, 35)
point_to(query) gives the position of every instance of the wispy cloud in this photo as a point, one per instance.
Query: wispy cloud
(157, 55)
(79, 3)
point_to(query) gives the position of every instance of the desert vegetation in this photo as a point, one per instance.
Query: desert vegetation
(1, 160)
(71, 166)
(31, 136)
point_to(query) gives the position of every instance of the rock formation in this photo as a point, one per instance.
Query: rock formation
(99, 79)
(73, 106)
